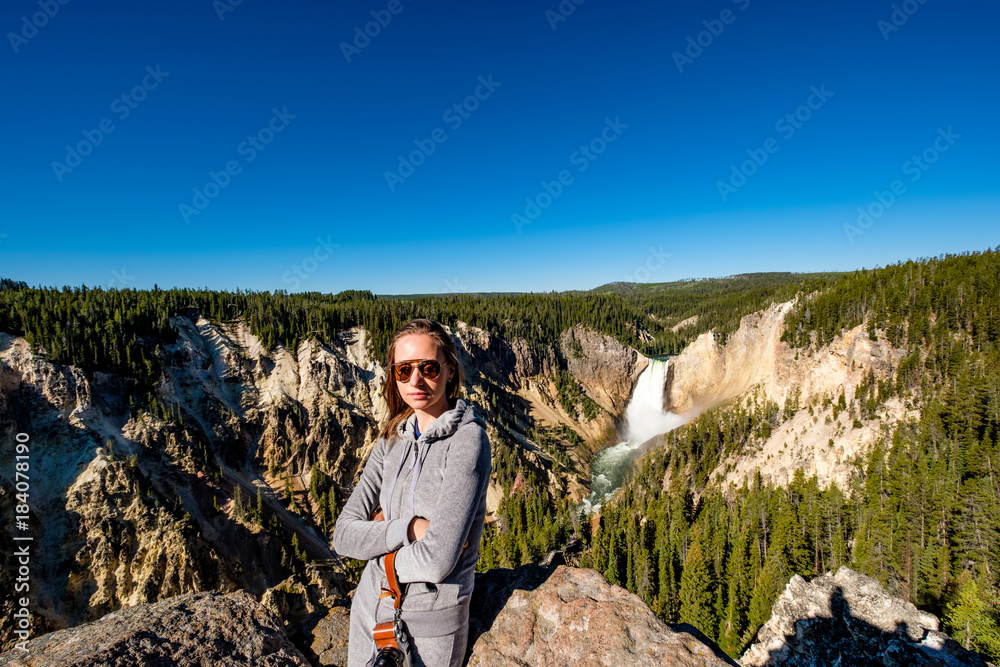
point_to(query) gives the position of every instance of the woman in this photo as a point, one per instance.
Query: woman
(428, 471)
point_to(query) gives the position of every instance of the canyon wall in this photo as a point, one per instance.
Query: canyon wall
(754, 364)
(133, 507)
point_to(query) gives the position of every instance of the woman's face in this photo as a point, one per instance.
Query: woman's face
(419, 392)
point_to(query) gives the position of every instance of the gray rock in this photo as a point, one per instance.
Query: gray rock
(573, 616)
(208, 628)
(849, 619)
(330, 638)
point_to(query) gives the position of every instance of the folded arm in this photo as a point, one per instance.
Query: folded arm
(355, 535)
(433, 557)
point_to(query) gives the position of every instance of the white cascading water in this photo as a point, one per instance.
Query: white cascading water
(645, 419)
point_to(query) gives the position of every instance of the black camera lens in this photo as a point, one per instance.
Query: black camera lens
(389, 657)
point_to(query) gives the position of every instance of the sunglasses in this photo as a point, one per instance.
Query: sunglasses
(429, 368)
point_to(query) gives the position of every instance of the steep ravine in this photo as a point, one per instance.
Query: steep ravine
(152, 514)
(134, 507)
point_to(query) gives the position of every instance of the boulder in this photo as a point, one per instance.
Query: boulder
(207, 628)
(850, 619)
(573, 616)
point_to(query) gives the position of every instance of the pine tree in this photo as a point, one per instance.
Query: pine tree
(973, 619)
(331, 504)
(769, 584)
(696, 597)
(611, 570)
(289, 493)
(238, 502)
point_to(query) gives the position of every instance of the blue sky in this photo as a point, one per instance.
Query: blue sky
(647, 111)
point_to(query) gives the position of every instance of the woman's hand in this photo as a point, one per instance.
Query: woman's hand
(417, 528)
(378, 516)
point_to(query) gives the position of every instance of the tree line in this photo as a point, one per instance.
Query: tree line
(124, 331)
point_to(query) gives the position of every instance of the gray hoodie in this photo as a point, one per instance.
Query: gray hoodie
(441, 476)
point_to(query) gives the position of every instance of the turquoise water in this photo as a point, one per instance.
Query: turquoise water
(645, 418)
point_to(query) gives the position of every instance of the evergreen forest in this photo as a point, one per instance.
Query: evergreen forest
(922, 511)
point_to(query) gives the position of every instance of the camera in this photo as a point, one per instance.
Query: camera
(390, 657)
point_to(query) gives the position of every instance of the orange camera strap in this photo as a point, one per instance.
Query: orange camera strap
(390, 573)
(385, 633)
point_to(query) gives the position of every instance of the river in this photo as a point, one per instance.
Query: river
(644, 419)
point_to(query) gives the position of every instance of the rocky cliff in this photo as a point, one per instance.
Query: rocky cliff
(534, 615)
(530, 616)
(607, 369)
(208, 628)
(569, 616)
(849, 619)
(208, 489)
(754, 365)
(708, 372)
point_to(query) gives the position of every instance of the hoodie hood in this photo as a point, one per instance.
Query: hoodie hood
(442, 427)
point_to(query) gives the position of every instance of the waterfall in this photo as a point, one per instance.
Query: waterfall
(645, 418)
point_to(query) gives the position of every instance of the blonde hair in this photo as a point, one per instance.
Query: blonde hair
(399, 411)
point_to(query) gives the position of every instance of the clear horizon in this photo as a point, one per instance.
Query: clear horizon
(517, 148)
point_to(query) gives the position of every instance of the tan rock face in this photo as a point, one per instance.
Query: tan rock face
(510, 361)
(130, 549)
(607, 369)
(575, 617)
(310, 606)
(330, 638)
(707, 373)
(290, 407)
(754, 365)
(849, 619)
(198, 629)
